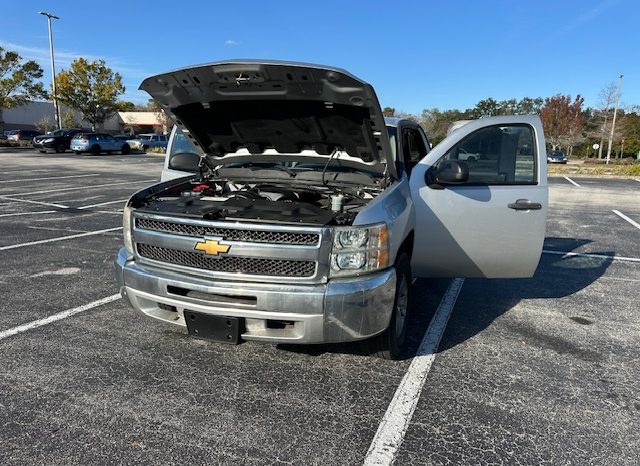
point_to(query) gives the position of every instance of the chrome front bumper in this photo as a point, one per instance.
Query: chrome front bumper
(340, 310)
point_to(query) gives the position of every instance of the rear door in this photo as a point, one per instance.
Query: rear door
(490, 223)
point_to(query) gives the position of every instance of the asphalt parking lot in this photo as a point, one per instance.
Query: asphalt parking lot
(540, 370)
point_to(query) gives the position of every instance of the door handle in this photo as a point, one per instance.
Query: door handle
(525, 204)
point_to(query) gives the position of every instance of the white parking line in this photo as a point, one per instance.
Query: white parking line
(50, 204)
(59, 238)
(55, 317)
(102, 203)
(571, 181)
(597, 256)
(79, 188)
(395, 421)
(18, 214)
(50, 178)
(624, 217)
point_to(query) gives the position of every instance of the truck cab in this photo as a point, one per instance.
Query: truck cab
(291, 211)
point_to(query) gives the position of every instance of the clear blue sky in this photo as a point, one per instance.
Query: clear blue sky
(417, 54)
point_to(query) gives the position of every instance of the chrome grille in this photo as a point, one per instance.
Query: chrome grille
(243, 265)
(230, 234)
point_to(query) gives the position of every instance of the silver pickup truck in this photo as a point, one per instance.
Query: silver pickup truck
(291, 211)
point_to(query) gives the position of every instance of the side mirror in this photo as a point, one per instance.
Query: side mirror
(447, 172)
(185, 161)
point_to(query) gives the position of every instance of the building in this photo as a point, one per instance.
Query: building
(34, 113)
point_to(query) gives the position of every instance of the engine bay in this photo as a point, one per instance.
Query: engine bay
(258, 202)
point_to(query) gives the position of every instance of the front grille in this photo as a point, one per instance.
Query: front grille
(243, 265)
(230, 234)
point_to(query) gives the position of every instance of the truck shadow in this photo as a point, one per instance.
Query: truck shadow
(482, 301)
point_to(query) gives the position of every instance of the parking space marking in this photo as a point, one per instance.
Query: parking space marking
(597, 256)
(624, 217)
(50, 204)
(571, 181)
(18, 214)
(102, 203)
(55, 317)
(396, 419)
(79, 188)
(50, 178)
(59, 238)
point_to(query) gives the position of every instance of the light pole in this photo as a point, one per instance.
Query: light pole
(53, 68)
(613, 123)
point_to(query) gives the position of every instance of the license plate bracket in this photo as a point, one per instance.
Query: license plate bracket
(217, 328)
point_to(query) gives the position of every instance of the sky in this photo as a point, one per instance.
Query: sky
(416, 54)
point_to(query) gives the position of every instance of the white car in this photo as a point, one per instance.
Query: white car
(145, 141)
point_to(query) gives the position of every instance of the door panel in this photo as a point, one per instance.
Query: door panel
(493, 224)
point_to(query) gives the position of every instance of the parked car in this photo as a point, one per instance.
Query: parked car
(23, 135)
(145, 141)
(556, 156)
(58, 140)
(96, 143)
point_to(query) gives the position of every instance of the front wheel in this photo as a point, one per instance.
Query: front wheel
(391, 344)
(60, 148)
(95, 150)
(126, 149)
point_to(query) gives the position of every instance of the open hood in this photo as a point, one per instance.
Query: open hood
(238, 110)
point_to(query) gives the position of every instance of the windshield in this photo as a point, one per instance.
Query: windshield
(182, 145)
(393, 140)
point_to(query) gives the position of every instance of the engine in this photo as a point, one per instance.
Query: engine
(259, 202)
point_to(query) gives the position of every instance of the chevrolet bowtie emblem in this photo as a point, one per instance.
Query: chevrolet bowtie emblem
(211, 247)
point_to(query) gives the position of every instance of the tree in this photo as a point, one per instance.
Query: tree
(563, 120)
(436, 122)
(91, 88)
(126, 106)
(161, 116)
(45, 124)
(607, 96)
(630, 126)
(389, 111)
(69, 120)
(18, 81)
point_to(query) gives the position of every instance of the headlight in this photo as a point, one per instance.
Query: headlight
(48, 140)
(358, 250)
(126, 229)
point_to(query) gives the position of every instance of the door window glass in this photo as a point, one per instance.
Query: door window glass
(498, 155)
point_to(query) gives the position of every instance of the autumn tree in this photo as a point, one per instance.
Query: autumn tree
(18, 81)
(91, 88)
(563, 120)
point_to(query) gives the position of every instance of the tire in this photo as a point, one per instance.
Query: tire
(144, 148)
(78, 152)
(392, 343)
(126, 150)
(95, 149)
(60, 149)
(42, 151)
